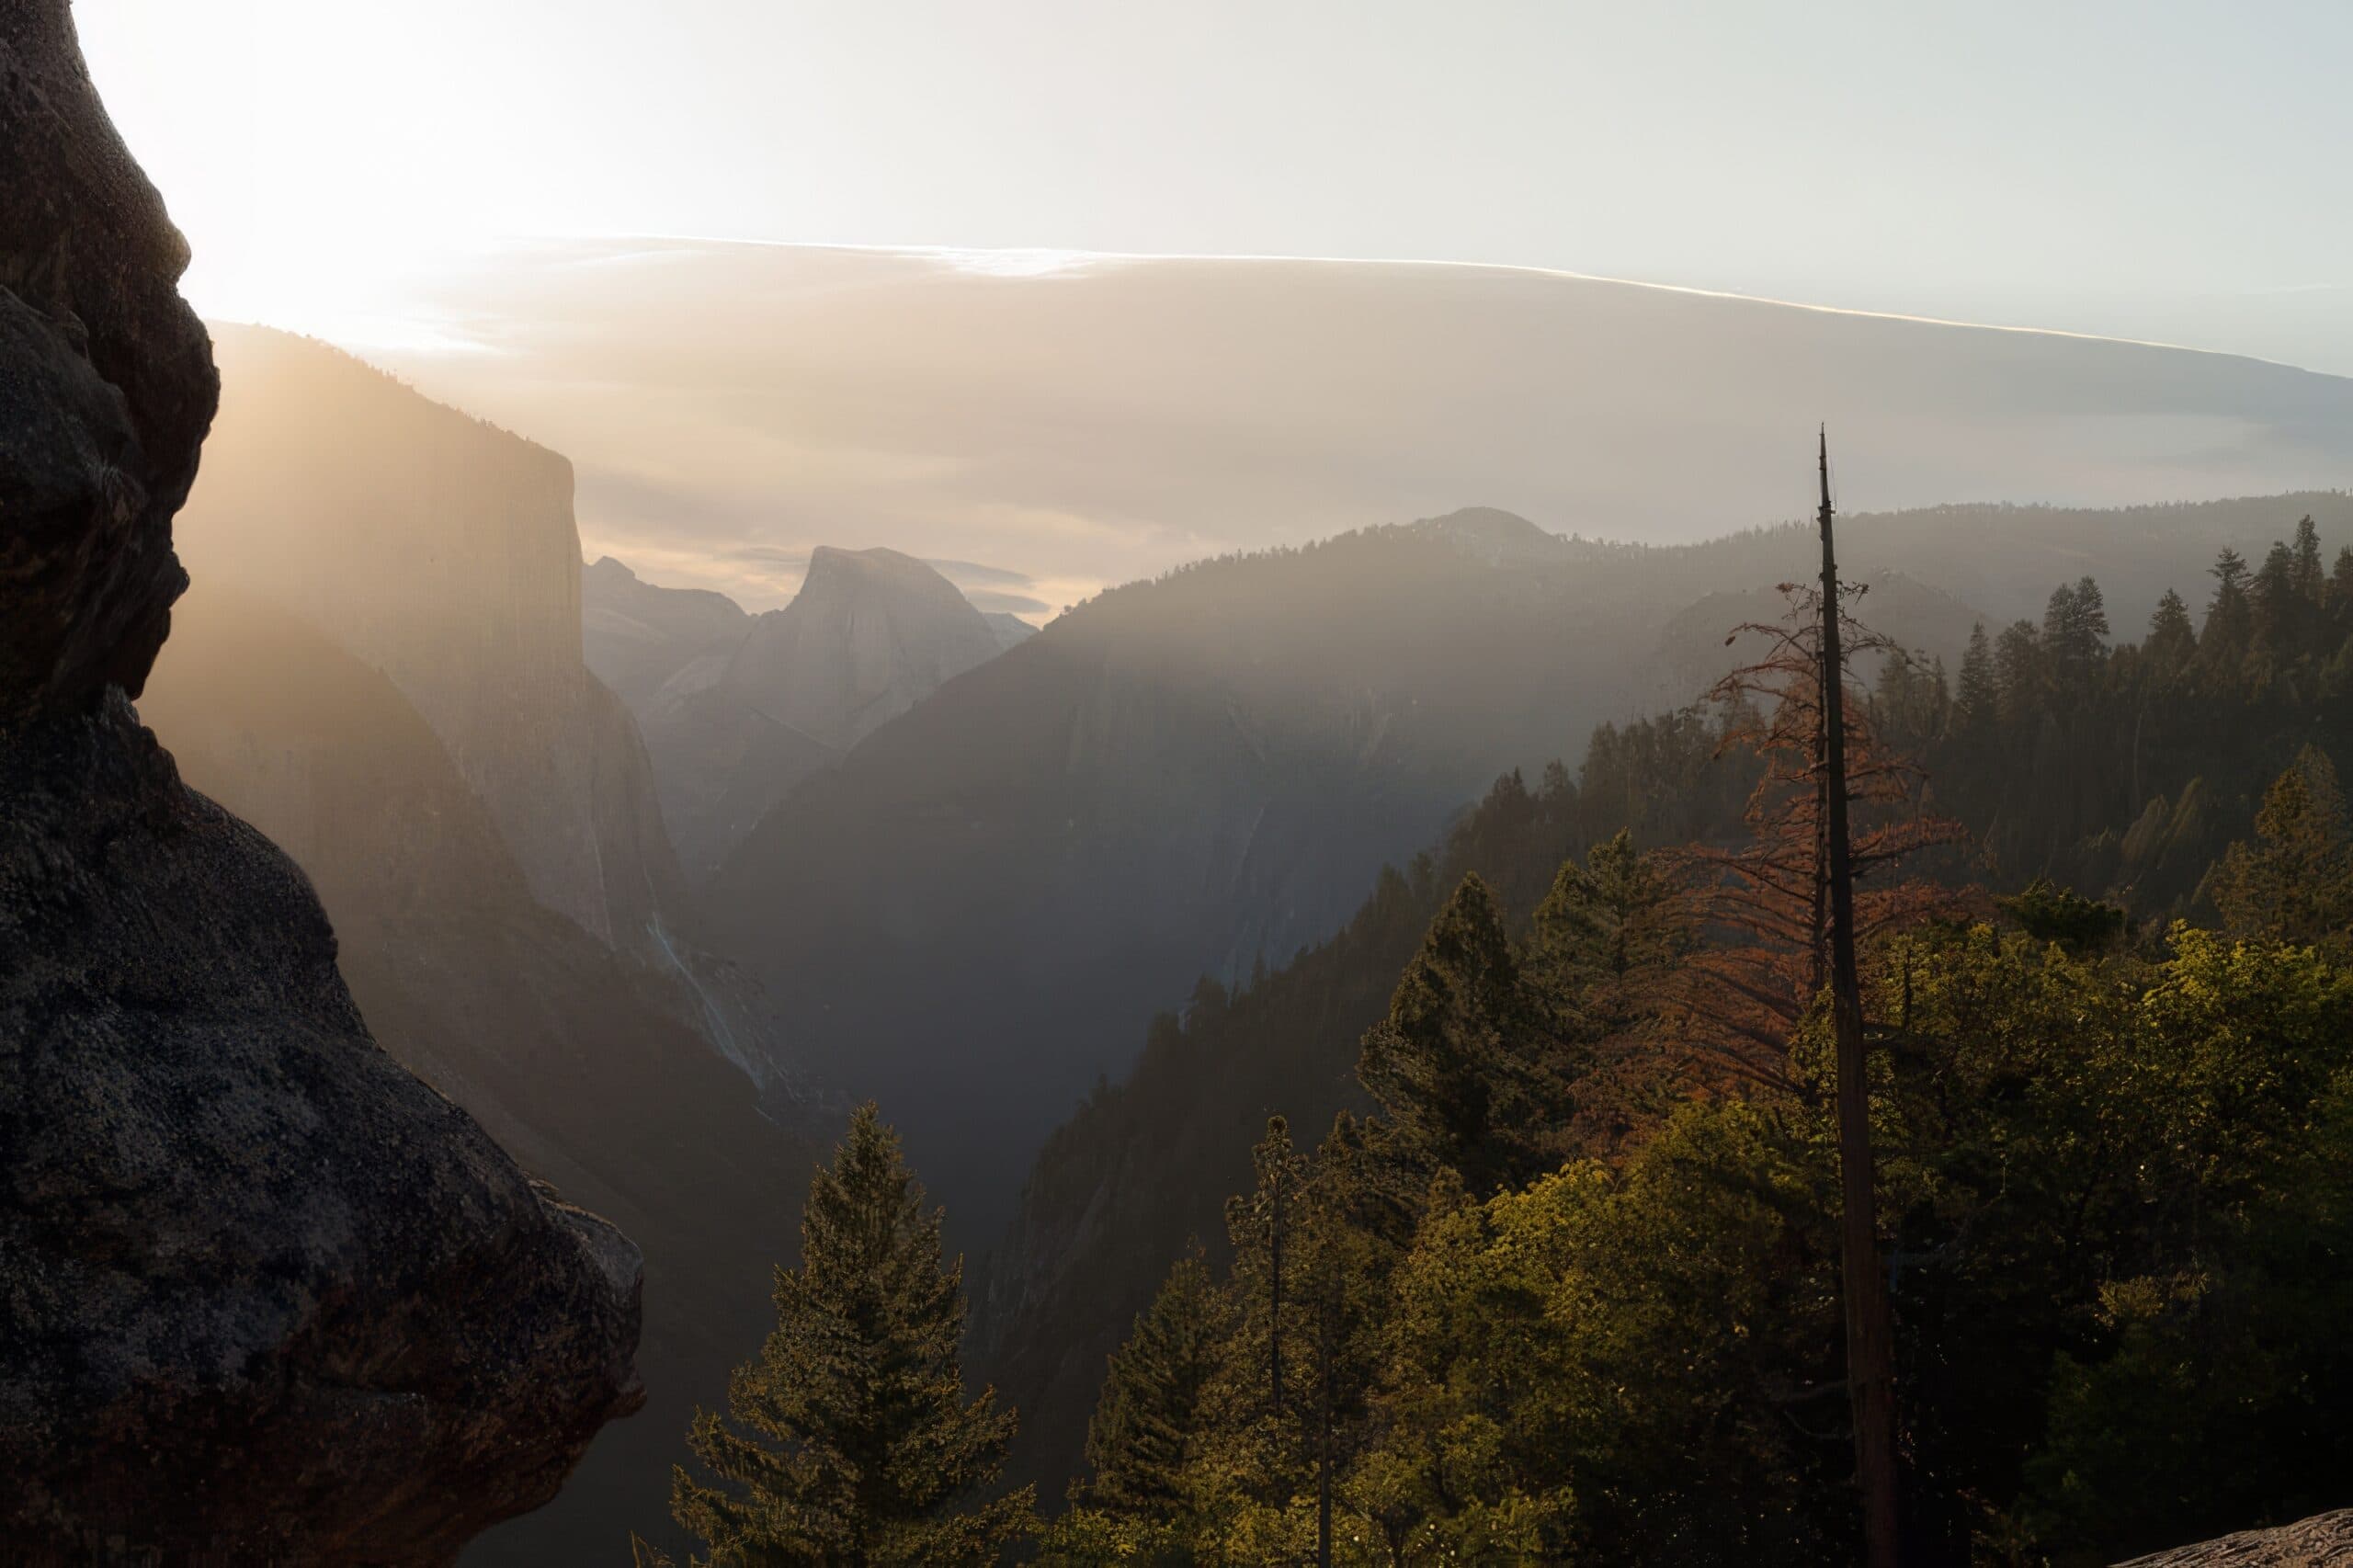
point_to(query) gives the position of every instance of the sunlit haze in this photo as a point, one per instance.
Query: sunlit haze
(362, 171)
(2172, 170)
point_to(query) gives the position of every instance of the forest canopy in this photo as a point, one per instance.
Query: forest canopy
(1551, 1284)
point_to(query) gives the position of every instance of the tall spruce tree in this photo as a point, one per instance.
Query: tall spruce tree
(1260, 1229)
(2173, 641)
(1150, 1412)
(2296, 881)
(2312, 583)
(2339, 596)
(2279, 608)
(1462, 1066)
(2075, 637)
(1606, 936)
(2223, 641)
(2017, 671)
(865, 1452)
(1979, 699)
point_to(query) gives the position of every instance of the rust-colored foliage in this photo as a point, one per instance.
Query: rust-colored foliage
(1763, 906)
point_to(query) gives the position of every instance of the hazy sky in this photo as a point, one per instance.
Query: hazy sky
(2173, 170)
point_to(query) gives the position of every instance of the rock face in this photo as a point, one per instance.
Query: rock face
(737, 715)
(1011, 630)
(264, 1297)
(636, 634)
(871, 633)
(268, 1296)
(573, 1056)
(106, 383)
(442, 551)
(2321, 1539)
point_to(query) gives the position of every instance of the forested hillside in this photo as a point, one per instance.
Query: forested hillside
(2125, 770)
(979, 911)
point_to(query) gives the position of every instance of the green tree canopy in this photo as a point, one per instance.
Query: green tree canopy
(1148, 1421)
(1462, 1066)
(851, 1441)
(2296, 881)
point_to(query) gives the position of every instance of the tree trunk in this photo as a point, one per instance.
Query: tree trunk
(1871, 1351)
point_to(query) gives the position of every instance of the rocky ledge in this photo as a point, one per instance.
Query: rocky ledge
(264, 1297)
(2323, 1538)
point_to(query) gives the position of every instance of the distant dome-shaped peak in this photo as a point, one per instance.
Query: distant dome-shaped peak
(833, 570)
(1491, 533)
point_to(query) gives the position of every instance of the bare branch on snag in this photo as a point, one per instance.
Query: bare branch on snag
(1765, 904)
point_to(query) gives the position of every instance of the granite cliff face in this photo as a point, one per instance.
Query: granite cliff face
(442, 551)
(573, 1057)
(637, 634)
(266, 1297)
(109, 388)
(738, 713)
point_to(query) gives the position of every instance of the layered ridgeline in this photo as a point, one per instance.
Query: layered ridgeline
(380, 668)
(737, 709)
(1101, 418)
(575, 1059)
(441, 551)
(974, 915)
(2119, 750)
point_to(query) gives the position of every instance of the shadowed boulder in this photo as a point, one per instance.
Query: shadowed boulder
(2323, 1538)
(264, 1296)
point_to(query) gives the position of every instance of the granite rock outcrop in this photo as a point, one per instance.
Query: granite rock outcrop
(2308, 1543)
(264, 1296)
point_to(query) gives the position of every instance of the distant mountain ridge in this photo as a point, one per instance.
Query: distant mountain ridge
(975, 914)
(380, 662)
(442, 551)
(1112, 418)
(573, 1058)
(737, 709)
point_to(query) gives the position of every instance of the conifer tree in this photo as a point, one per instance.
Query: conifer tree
(2340, 584)
(2296, 884)
(2278, 605)
(1606, 934)
(1461, 1067)
(1148, 1419)
(1260, 1228)
(2074, 636)
(2017, 671)
(2173, 641)
(2223, 641)
(1978, 699)
(2311, 584)
(1738, 1002)
(863, 1451)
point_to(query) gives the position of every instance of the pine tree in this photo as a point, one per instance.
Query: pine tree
(2312, 586)
(2172, 642)
(2340, 585)
(1260, 1228)
(2074, 636)
(1979, 697)
(1461, 1067)
(2297, 884)
(871, 1456)
(2017, 671)
(2223, 641)
(1606, 934)
(1149, 1417)
(2277, 606)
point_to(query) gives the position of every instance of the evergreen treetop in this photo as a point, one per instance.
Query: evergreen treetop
(862, 1450)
